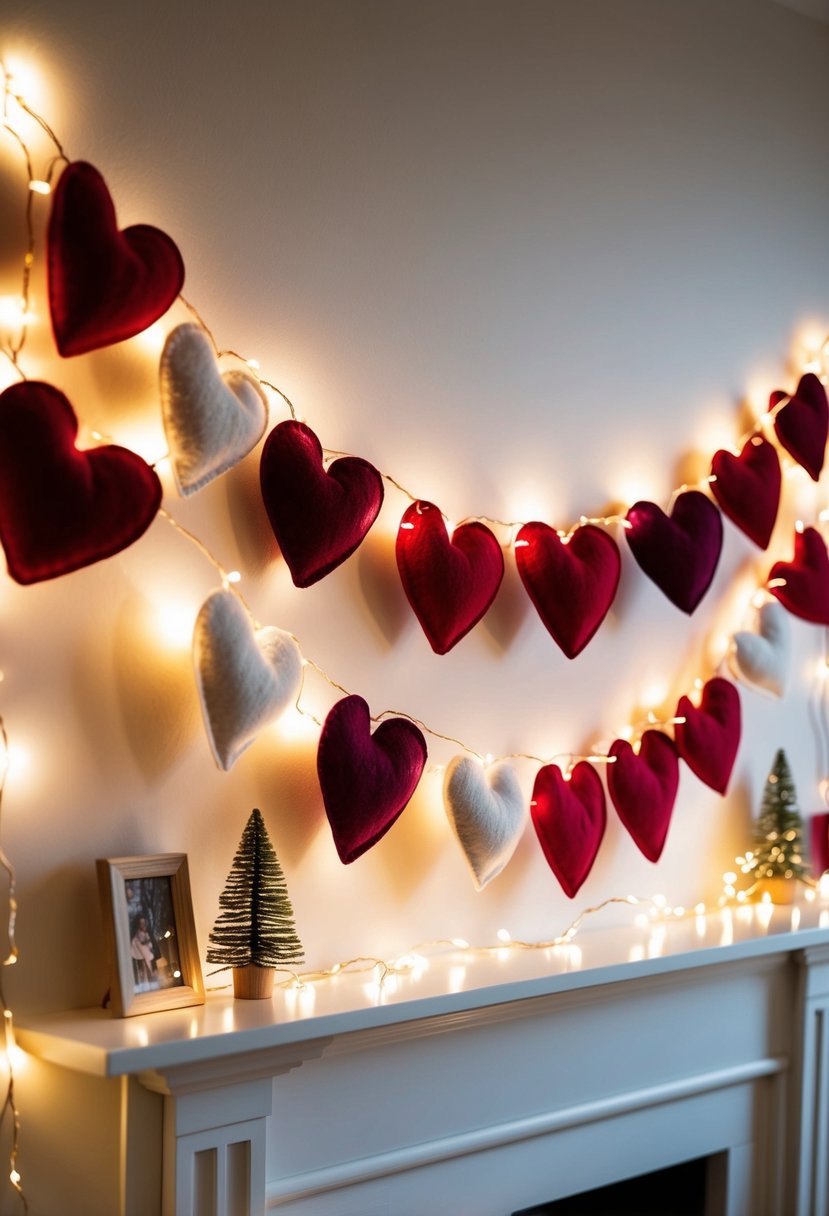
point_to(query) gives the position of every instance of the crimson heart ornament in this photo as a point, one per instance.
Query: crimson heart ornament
(642, 787)
(679, 552)
(319, 517)
(105, 284)
(802, 424)
(569, 818)
(802, 585)
(571, 580)
(708, 738)
(449, 582)
(747, 487)
(366, 779)
(61, 508)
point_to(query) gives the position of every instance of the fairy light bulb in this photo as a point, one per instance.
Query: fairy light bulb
(39, 187)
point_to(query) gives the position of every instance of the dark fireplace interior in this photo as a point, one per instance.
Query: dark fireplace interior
(677, 1191)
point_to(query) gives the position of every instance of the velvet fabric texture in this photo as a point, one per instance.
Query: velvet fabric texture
(318, 517)
(572, 582)
(761, 660)
(486, 811)
(104, 285)
(450, 583)
(212, 419)
(802, 423)
(747, 487)
(366, 779)
(643, 789)
(678, 552)
(61, 508)
(569, 817)
(805, 590)
(709, 737)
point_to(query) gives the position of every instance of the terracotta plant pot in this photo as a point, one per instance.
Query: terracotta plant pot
(779, 890)
(253, 983)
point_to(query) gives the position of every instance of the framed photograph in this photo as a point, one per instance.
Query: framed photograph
(150, 932)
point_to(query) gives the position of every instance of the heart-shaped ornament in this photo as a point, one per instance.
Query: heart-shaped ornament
(366, 779)
(569, 818)
(708, 738)
(571, 580)
(761, 660)
(678, 552)
(105, 285)
(643, 786)
(319, 516)
(486, 810)
(802, 585)
(802, 424)
(212, 419)
(450, 582)
(747, 487)
(61, 508)
(246, 677)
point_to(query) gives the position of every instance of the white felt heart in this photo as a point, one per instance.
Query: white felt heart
(212, 419)
(486, 809)
(761, 660)
(246, 677)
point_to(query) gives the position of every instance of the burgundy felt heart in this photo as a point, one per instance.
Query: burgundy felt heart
(569, 818)
(709, 737)
(104, 285)
(60, 508)
(805, 589)
(572, 582)
(449, 583)
(747, 487)
(643, 789)
(802, 424)
(366, 779)
(319, 516)
(678, 552)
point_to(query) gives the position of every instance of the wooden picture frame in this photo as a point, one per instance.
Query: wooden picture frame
(150, 933)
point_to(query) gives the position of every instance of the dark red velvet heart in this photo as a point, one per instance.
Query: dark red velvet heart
(643, 789)
(802, 424)
(366, 779)
(805, 592)
(569, 818)
(572, 582)
(747, 487)
(449, 583)
(60, 508)
(709, 737)
(104, 285)
(319, 516)
(678, 552)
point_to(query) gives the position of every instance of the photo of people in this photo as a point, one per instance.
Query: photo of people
(152, 925)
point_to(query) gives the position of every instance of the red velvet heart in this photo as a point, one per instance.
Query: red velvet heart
(805, 592)
(803, 423)
(319, 516)
(747, 487)
(569, 818)
(643, 789)
(678, 552)
(571, 582)
(366, 779)
(449, 583)
(709, 737)
(104, 285)
(61, 509)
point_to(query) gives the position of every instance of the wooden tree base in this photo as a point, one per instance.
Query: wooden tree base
(253, 983)
(779, 890)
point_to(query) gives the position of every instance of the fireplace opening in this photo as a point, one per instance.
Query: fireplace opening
(680, 1190)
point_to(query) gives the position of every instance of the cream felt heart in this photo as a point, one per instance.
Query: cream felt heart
(761, 660)
(246, 677)
(212, 419)
(486, 809)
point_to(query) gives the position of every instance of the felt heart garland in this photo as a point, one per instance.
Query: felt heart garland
(678, 552)
(709, 737)
(246, 677)
(569, 818)
(571, 581)
(61, 508)
(212, 419)
(486, 810)
(366, 779)
(805, 586)
(319, 517)
(802, 424)
(761, 660)
(104, 285)
(747, 487)
(643, 789)
(449, 582)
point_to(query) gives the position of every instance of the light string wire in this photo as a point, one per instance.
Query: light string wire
(10, 1107)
